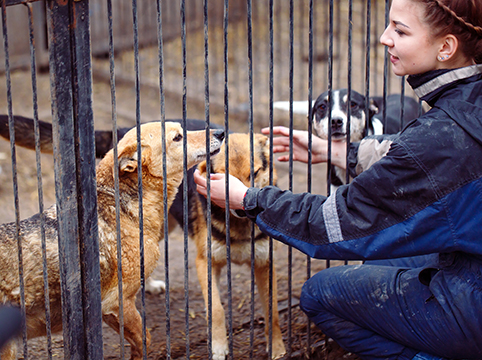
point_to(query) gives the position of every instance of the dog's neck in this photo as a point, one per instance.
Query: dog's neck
(152, 194)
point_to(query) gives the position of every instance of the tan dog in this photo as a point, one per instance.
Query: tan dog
(240, 237)
(152, 172)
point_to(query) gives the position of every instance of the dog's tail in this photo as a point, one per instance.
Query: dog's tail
(25, 135)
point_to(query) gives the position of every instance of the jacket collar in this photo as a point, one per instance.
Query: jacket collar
(429, 85)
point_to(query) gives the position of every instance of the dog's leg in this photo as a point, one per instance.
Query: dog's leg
(9, 350)
(219, 343)
(132, 327)
(262, 282)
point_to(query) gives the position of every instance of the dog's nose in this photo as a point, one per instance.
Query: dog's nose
(336, 122)
(219, 134)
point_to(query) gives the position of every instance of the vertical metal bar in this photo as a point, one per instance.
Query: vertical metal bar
(271, 160)
(251, 164)
(385, 70)
(227, 167)
(348, 112)
(116, 180)
(164, 174)
(39, 183)
(139, 175)
(86, 180)
(185, 190)
(367, 60)
(209, 310)
(226, 144)
(291, 120)
(310, 135)
(14, 177)
(402, 101)
(58, 15)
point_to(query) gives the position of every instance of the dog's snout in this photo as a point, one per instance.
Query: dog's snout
(336, 122)
(219, 134)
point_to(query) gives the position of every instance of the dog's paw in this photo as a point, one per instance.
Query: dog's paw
(278, 351)
(220, 350)
(155, 287)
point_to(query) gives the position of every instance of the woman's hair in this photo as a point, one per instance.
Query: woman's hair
(462, 18)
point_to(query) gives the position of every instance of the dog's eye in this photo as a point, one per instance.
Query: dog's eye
(178, 137)
(321, 111)
(354, 105)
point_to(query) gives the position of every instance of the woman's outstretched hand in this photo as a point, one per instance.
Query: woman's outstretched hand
(237, 189)
(319, 147)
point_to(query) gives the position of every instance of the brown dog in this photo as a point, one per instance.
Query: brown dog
(240, 237)
(152, 172)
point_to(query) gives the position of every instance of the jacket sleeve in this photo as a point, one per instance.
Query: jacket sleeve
(388, 211)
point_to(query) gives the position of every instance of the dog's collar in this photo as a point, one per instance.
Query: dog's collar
(425, 84)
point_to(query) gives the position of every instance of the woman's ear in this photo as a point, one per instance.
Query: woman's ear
(448, 48)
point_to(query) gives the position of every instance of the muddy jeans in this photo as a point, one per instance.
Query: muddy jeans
(381, 310)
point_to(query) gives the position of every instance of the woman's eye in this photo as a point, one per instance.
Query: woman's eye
(177, 138)
(399, 32)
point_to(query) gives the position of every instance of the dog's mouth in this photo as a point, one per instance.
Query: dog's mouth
(238, 213)
(202, 157)
(338, 135)
(214, 152)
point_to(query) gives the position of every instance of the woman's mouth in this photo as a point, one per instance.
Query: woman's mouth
(393, 59)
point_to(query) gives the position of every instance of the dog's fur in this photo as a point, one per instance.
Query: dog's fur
(240, 228)
(360, 124)
(152, 172)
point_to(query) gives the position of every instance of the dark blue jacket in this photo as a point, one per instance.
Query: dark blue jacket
(423, 194)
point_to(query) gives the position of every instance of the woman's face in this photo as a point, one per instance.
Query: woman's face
(410, 46)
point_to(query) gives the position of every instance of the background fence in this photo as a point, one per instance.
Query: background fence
(230, 66)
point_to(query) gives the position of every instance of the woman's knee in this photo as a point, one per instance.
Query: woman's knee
(312, 294)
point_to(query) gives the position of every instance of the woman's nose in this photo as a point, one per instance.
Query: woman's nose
(385, 39)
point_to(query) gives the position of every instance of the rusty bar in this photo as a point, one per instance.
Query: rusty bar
(209, 310)
(249, 11)
(226, 148)
(162, 97)
(116, 180)
(61, 85)
(291, 120)
(11, 126)
(271, 173)
(39, 183)
(135, 25)
(86, 179)
(16, 2)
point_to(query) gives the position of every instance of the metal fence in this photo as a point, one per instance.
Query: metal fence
(122, 63)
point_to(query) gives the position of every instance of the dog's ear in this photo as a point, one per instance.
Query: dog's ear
(372, 108)
(202, 168)
(128, 158)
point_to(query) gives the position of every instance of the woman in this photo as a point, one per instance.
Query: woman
(416, 200)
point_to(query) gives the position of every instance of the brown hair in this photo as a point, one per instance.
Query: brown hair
(462, 18)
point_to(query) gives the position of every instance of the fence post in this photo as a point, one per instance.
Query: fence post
(74, 159)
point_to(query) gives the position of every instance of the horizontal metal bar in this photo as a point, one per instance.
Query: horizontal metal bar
(16, 2)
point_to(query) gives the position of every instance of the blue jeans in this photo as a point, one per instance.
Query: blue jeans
(381, 310)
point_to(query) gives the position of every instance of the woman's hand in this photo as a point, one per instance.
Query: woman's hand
(237, 189)
(319, 147)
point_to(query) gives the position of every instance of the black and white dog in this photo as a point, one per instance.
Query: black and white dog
(362, 123)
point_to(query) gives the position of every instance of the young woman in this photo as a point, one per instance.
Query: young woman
(413, 210)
